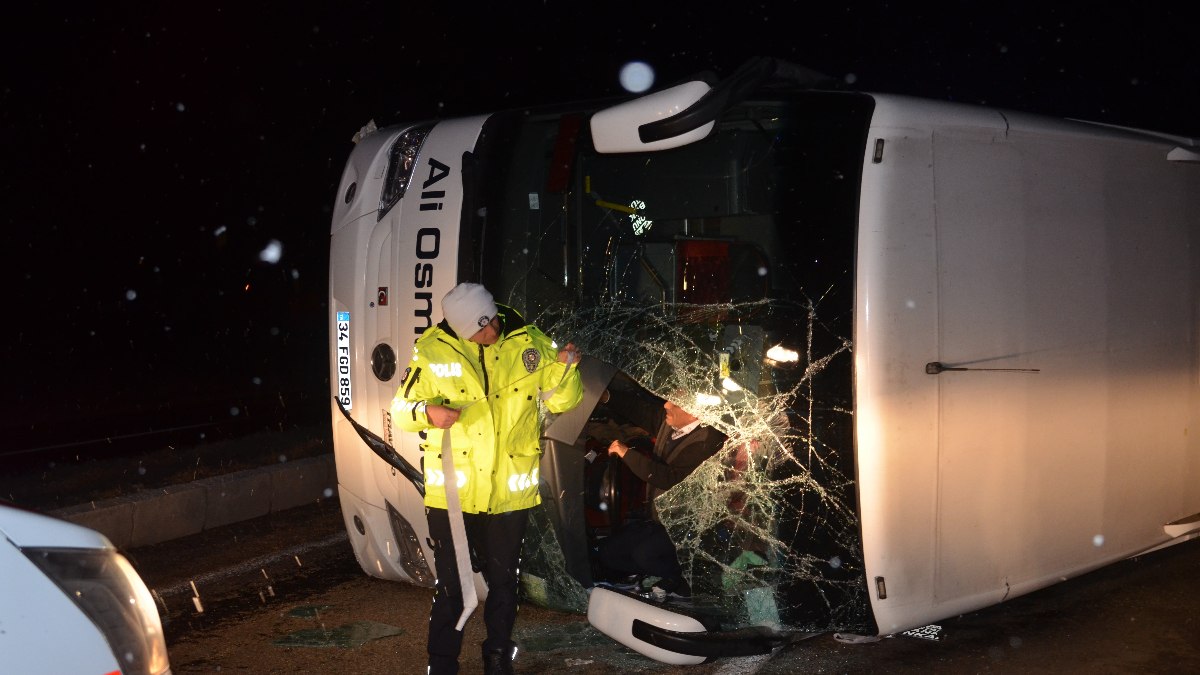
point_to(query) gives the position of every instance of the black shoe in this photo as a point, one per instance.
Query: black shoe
(497, 662)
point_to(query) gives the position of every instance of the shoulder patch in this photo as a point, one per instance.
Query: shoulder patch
(531, 357)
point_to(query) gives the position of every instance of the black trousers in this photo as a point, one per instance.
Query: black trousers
(641, 547)
(495, 540)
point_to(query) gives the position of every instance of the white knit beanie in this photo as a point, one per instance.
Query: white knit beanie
(467, 308)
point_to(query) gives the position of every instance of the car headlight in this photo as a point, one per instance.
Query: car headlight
(402, 161)
(109, 591)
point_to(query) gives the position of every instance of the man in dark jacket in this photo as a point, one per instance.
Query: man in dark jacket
(643, 547)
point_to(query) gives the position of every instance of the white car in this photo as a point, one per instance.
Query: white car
(70, 603)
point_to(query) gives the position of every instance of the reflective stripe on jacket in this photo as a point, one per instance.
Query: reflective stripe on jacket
(496, 440)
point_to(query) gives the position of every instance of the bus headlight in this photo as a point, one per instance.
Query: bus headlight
(402, 161)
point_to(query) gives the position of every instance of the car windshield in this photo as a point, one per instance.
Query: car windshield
(719, 275)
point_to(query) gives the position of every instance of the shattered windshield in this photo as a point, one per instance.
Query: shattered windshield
(718, 275)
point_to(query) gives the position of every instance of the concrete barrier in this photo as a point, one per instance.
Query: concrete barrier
(168, 513)
(233, 498)
(158, 515)
(111, 517)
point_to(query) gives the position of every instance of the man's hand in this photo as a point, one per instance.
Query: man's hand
(617, 448)
(569, 354)
(440, 416)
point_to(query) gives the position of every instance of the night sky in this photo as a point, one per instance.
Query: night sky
(155, 154)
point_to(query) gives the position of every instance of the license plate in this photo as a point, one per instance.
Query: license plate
(343, 360)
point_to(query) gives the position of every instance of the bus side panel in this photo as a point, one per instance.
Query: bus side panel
(895, 402)
(1065, 285)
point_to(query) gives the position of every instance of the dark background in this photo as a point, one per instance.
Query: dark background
(152, 152)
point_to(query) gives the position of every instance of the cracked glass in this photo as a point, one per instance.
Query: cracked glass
(718, 275)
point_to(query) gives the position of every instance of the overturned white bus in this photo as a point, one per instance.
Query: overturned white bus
(955, 349)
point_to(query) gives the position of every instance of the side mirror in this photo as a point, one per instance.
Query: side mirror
(687, 112)
(616, 129)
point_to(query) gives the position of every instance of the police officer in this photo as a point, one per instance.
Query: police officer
(473, 386)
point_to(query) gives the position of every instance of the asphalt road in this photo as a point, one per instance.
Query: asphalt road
(283, 594)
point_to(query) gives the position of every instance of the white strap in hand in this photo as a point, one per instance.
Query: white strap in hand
(458, 534)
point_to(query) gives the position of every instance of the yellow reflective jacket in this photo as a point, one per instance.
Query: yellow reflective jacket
(496, 440)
